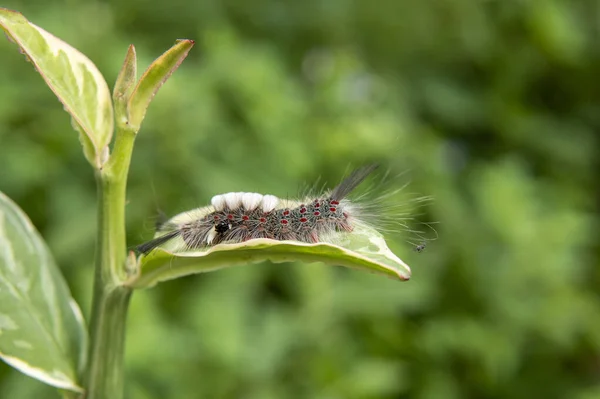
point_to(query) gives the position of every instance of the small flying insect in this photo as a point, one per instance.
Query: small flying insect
(421, 247)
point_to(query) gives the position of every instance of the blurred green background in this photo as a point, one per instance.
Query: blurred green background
(491, 105)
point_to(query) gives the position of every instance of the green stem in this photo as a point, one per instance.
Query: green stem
(104, 374)
(105, 369)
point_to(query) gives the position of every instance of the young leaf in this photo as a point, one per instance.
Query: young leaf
(72, 77)
(363, 249)
(154, 77)
(42, 332)
(124, 85)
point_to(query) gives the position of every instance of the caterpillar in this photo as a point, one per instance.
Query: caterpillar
(240, 216)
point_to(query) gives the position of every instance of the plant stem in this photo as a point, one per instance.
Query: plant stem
(104, 373)
(105, 368)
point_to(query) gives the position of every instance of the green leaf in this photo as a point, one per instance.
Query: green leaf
(363, 249)
(124, 85)
(72, 77)
(42, 332)
(154, 77)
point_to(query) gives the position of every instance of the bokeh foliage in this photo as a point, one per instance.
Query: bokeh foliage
(493, 107)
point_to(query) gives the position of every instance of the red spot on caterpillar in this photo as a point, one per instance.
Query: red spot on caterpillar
(335, 202)
(230, 216)
(284, 221)
(216, 217)
(317, 205)
(262, 220)
(303, 220)
(332, 209)
(286, 212)
(245, 217)
(302, 210)
(316, 213)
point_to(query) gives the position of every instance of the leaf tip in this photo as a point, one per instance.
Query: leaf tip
(190, 41)
(8, 11)
(131, 53)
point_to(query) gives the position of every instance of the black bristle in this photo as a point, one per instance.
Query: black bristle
(150, 245)
(352, 181)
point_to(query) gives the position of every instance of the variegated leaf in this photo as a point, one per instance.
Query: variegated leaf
(72, 77)
(42, 332)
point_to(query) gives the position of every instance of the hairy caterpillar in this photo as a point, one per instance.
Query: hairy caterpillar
(239, 216)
